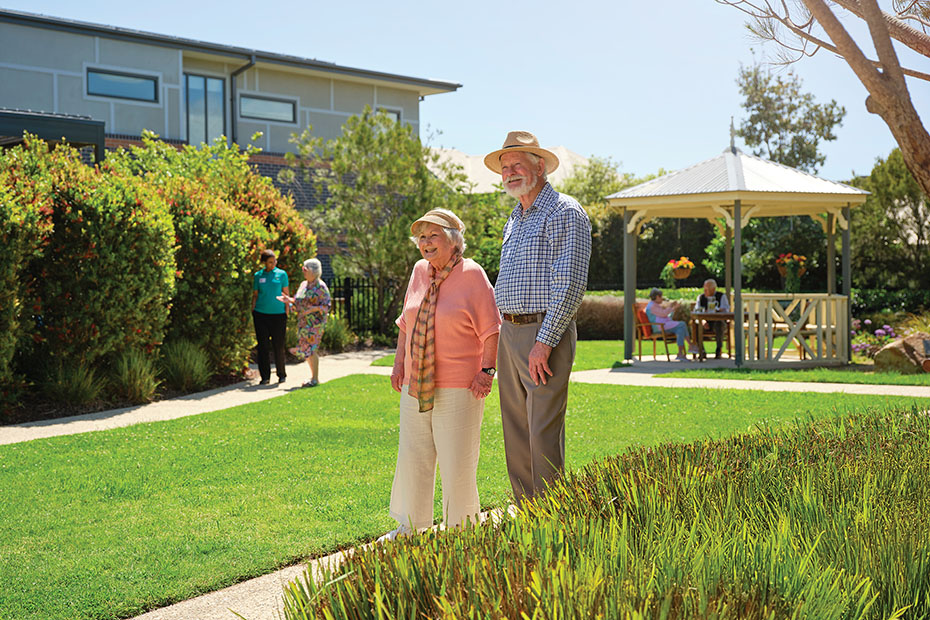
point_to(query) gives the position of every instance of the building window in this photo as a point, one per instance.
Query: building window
(206, 109)
(266, 109)
(393, 113)
(122, 85)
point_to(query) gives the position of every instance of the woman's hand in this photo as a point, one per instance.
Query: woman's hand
(285, 299)
(481, 384)
(397, 377)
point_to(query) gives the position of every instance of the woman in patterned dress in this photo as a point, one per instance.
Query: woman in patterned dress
(312, 303)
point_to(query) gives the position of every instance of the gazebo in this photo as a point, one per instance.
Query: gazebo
(728, 190)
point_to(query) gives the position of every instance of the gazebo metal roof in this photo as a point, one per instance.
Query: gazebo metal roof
(765, 188)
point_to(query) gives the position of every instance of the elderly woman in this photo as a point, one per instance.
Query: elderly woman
(658, 312)
(312, 303)
(443, 369)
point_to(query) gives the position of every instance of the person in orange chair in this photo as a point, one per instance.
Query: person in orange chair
(658, 312)
(713, 300)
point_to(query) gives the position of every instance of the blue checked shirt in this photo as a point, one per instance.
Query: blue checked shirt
(544, 262)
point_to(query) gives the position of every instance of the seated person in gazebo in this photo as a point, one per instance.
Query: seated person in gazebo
(713, 300)
(657, 312)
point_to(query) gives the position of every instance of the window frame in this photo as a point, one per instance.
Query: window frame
(291, 102)
(187, 105)
(141, 76)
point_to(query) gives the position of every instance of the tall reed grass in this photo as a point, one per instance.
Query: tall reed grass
(825, 520)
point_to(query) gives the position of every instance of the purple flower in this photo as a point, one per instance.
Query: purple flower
(887, 328)
(868, 321)
(879, 332)
(856, 323)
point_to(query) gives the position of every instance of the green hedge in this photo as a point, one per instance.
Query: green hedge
(870, 301)
(157, 240)
(23, 219)
(105, 276)
(216, 251)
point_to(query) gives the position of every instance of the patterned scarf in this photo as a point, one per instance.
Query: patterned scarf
(423, 339)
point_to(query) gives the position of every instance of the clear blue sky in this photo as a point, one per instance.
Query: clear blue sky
(649, 84)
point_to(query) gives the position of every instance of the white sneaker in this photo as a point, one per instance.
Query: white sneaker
(400, 532)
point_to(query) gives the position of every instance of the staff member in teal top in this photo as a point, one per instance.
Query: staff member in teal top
(270, 315)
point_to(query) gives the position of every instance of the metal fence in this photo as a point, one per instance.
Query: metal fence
(356, 301)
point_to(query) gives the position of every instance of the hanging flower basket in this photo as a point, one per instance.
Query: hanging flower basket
(680, 273)
(783, 271)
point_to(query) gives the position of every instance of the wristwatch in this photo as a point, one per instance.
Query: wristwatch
(489, 371)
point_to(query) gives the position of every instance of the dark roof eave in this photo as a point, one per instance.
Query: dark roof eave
(55, 23)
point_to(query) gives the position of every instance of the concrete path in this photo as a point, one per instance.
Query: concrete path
(331, 367)
(261, 598)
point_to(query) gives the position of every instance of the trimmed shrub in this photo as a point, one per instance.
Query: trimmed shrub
(874, 301)
(134, 378)
(215, 252)
(225, 214)
(600, 317)
(105, 275)
(184, 366)
(24, 212)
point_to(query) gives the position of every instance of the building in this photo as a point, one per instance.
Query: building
(92, 83)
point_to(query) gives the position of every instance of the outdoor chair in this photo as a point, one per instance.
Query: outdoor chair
(651, 331)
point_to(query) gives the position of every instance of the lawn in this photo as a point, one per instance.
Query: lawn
(594, 354)
(113, 523)
(812, 375)
(589, 355)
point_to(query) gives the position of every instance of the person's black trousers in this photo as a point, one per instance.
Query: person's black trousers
(270, 329)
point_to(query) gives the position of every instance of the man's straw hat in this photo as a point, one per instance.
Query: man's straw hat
(521, 141)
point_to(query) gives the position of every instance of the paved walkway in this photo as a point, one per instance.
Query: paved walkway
(260, 598)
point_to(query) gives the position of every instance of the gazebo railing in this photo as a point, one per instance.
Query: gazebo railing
(816, 324)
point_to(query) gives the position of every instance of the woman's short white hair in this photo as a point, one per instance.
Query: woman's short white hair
(453, 234)
(314, 266)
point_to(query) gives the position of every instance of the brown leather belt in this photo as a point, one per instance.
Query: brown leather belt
(523, 319)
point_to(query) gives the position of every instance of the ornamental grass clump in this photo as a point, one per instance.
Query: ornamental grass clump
(826, 520)
(184, 366)
(134, 377)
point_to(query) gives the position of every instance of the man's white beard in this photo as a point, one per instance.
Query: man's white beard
(527, 184)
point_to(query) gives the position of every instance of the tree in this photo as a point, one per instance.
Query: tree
(377, 181)
(803, 28)
(784, 124)
(590, 185)
(891, 248)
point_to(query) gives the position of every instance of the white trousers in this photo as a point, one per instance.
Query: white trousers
(450, 434)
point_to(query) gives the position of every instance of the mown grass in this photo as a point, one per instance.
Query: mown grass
(113, 523)
(589, 355)
(812, 375)
(828, 520)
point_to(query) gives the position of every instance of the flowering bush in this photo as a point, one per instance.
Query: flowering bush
(668, 275)
(867, 341)
(104, 277)
(787, 259)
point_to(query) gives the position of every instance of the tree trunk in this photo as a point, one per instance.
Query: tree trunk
(904, 123)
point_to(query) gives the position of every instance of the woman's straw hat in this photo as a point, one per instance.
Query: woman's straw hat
(442, 217)
(521, 141)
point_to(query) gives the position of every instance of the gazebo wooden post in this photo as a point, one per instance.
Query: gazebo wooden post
(738, 281)
(831, 254)
(847, 276)
(728, 260)
(629, 284)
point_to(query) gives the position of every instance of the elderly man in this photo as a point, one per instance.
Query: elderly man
(543, 273)
(713, 300)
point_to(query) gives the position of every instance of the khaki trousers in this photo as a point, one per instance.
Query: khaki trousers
(533, 415)
(450, 434)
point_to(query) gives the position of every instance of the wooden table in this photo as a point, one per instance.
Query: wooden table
(697, 329)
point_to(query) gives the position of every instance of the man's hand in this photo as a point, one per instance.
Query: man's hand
(539, 362)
